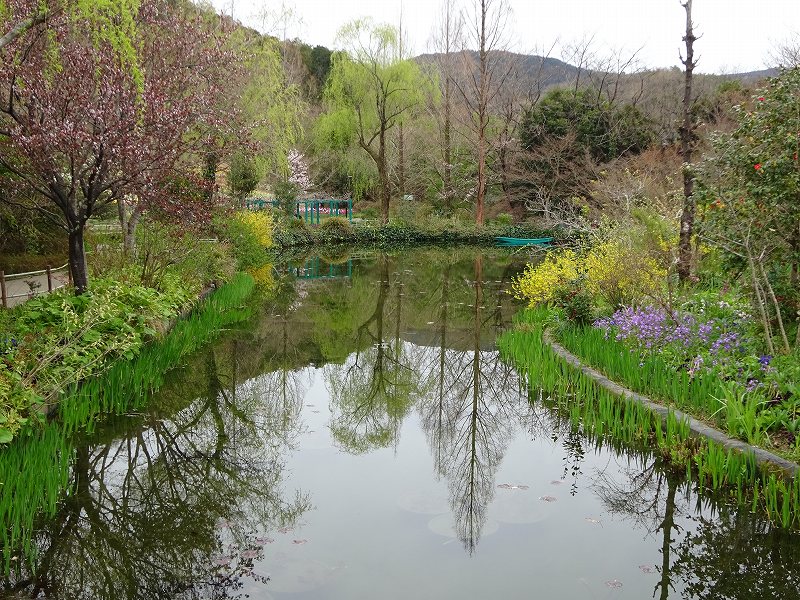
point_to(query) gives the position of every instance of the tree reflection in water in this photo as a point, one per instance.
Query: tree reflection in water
(475, 405)
(709, 549)
(167, 507)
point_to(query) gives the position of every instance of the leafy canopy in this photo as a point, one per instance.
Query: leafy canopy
(370, 89)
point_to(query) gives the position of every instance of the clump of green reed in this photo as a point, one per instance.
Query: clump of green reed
(598, 413)
(648, 375)
(127, 385)
(34, 471)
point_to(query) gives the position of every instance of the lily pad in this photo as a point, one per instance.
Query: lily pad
(548, 498)
(614, 583)
(508, 486)
(423, 502)
(646, 569)
(593, 521)
(249, 553)
(264, 540)
(445, 526)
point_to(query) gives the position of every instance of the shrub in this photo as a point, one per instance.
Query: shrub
(286, 193)
(503, 220)
(250, 233)
(619, 273)
(540, 283)
(336, 227)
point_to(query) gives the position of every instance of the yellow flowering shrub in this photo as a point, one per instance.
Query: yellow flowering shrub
(539, 283)
(613, 271)
(618, 273)
(259, 224)
(264, 276)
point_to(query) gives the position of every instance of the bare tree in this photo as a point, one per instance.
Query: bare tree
(447, 40)
(687, 135)
(787, 55)
(482, 81)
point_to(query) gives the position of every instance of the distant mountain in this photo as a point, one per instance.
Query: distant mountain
(552, 71)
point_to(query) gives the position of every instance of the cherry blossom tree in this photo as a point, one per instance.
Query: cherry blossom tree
(83, 128)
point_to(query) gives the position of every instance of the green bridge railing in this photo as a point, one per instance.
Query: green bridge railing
(315, 268)
(312, 210)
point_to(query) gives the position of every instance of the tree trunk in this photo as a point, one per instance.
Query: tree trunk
(401, 162)
(383, 175)
(77, 260)
(687, 141)
(122, 213)
(447, 184)
(483, 117)
(130, 230)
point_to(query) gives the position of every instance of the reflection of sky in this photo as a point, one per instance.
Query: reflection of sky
(376, 548)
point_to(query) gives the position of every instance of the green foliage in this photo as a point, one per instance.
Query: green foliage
(63, 339)
(270, 103)
(748, 201)
(370, 91)
(286, 193)
(603, 130)
(243, 176)
(503, 220)
(336, 228)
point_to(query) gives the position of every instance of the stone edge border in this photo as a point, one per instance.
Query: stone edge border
(697, 428)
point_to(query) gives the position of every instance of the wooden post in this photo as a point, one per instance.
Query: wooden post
(3, 288)
(49, 279)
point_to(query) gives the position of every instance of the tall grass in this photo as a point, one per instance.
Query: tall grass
(127, 385)
(600, 414)
(647, 375)
(34, 469)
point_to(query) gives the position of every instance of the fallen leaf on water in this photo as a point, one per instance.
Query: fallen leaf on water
(557, 482)
(264, 540)
(548, 498)
(614, 583)
(298, 542)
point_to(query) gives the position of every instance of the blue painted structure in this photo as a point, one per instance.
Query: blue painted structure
(310, 210)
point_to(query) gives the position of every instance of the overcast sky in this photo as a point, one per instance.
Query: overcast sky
(737, 35)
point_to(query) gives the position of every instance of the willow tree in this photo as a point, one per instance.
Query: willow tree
(369, 92)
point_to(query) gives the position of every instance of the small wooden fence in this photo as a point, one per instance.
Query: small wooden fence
(311, 210)
(13, 286)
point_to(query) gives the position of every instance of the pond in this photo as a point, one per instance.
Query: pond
(360, 437)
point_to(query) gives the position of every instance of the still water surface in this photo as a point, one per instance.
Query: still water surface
(361, 438)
